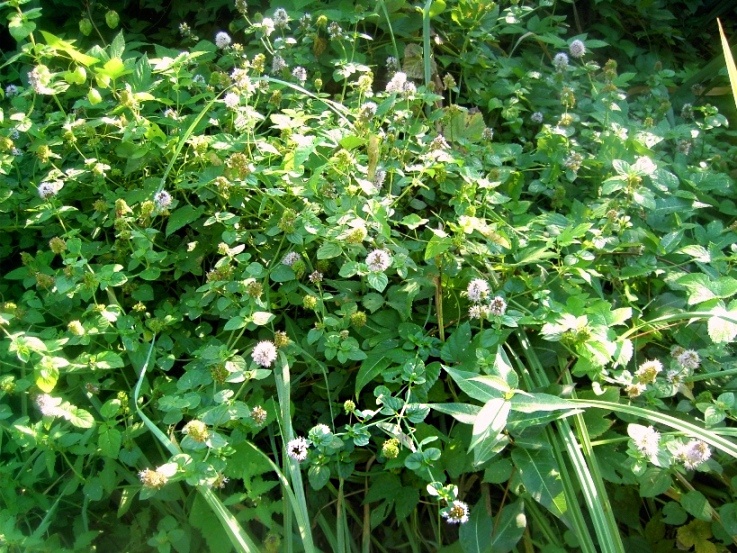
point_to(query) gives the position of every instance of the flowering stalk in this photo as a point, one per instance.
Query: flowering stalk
(238, 536)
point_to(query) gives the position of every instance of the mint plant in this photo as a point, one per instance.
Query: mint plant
(346, 278)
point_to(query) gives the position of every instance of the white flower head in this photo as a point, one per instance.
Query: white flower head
(290, 259)
(397, 82)
(162, 199)
(648, 370)
(278, 63)
(48, 190)
(536, 117)
(281, 18)
(560, 61)
(49, 406)
(231, 100)
(300, 73)
(11, 90)
(222, 40)
(497, 306)
(264, 353)
(297, 449)
(577, 48)
(378, 261)
(456, 512)
(646, 439)
(693, 454)
(478, 290)
(267, 26)
(689, 359)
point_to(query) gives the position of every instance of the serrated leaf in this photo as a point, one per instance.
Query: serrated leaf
(109, 441)
(182, 217)
(262, 318)
(329, 250)
(721, 330)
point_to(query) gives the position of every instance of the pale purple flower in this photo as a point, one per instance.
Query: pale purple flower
(281, 18)
(689, 359)
(693, 454)
(397, 82)
(277, 64)
(297, 449)
(647, 440)
(300, 73)
(264, 353)
(47, 190)
(560, 61)
(222, 40)
(162, 199)
(378, 261)
(290, 259)
(49, 406)
(536, 117)
(477, 290)
(11, 90)
(497, 306)
(577, 49)
(231, 100)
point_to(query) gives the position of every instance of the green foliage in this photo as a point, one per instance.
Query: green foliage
(453, 277)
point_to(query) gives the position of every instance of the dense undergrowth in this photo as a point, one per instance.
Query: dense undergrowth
(329, 277)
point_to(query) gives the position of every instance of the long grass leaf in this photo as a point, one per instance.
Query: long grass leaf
(729, 60)
(238, 537)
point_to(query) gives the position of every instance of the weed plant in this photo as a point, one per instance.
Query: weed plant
(445, 277)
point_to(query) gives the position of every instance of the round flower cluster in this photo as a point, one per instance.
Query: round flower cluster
(297, 449)
(536, 117)
(648, 371)
(577, 48)
(48, 190)
(693, 453)
(648, 441)
(300, 73)
(478, 291)
(162, 199)
(222, 40)
(378, 261)
(560, 61)
(290, 259)
(264, 353)
(456, 512)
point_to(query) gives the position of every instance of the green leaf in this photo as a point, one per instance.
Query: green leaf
(457, 347)
(654, 482)
(474, 534)
(462, 412)
(728, 518)
(80, 418)
(531, 403)
(487, 428)
(182, 217)
(509, 526)
(478, 389)
(729, 61)
(19, 26)
(541, 477)
(377, 281)
(371, 368)
(318, 476)
(329, 250)
(720, 329)
(109, 441)
(695, 503)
